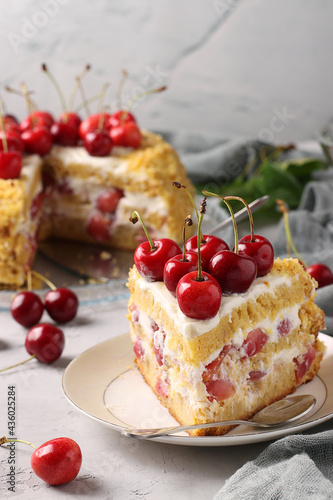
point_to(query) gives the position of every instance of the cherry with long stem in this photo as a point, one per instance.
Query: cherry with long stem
(179, 265)
(151, 256)
(234, 272)
(255, 246)
(198, 293)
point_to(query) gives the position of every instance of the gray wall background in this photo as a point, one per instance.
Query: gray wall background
(233, 67)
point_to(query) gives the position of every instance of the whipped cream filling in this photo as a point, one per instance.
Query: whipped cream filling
(187, 380)
(88, 193)
(192, 328)
(115, 162)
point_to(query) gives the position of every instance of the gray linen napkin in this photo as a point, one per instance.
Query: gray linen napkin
(293, 468)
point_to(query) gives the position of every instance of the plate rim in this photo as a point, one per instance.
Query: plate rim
(225, 440)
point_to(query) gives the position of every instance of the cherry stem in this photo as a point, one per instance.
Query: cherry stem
(188, 222)
(283, 209)
(120, 87)
(178, 185)
(4, 440)
(25, 93)
(3, 130)
(18, 364)
(76, 86)
(85, 102)
(57, 87)
(248, 211)
(101, 108)
(137, 98)
(134, 219)
(201, 216)
(45, 280)
(225, 200)
(29, 281)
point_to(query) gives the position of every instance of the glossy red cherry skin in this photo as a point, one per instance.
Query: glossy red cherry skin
(97, 143)
(27, 308)
(14, 142)
(211, 245)
(175, 268)
(38, 118)
(261, 250)
(71, 118)
(321, 273)
(10, 165)
(61, 304)
(64, 134)
(235, 273)
(120, 117)
(57, 461)
(150, 264)
(37, 140)
(199, 299)
(92, 123)
(46, 342)
(127, 135)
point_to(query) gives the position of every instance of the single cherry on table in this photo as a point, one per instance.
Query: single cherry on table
(27, 308)
(57, 461)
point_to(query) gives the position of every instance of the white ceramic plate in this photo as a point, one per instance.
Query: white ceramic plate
(103, 383)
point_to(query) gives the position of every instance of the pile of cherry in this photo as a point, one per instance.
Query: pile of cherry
(59, 460)
(207, 268)
(36, 133)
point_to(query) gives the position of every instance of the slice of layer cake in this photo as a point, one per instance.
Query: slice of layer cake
(20, 214)
(91, 198)
(259, 348)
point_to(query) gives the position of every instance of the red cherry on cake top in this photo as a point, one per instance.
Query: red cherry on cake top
(10, 165)
(255, 246)
(234, 272)
(37, 140)
(93, 122)
(14, 142)
(151, 256)
(179, 265)
(261, 251)
(127, 135)
(120, 117)
(198, 293)
(98, 143)
(10, 161)
(209, 246)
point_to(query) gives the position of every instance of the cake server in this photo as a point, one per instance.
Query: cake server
(240, 215)
(275, 415)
